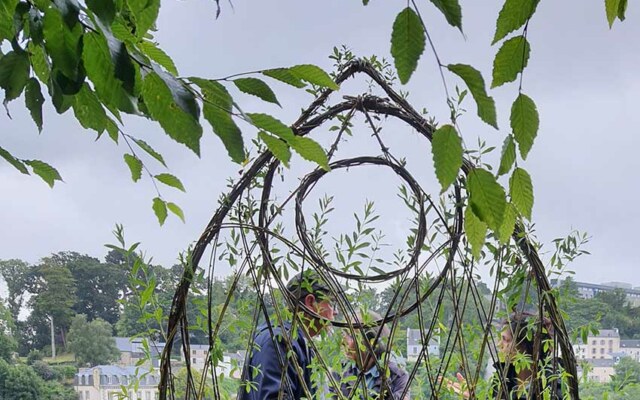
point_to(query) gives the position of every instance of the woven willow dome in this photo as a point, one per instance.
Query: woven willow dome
(438, 267)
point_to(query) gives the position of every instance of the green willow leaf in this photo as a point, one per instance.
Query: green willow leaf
(277, 147)
(622, 9)
(135, 166)
(314, 75)
(611, 7)
(272, 125)
(170, 180)
(511, 59)
(508, 156)
(525, 122)
(407, 43)
(446, 147)
(7, 9)
(474, 81)
(14, 74)
(176, 210)
(451, 10)
(19, 165)
(217, 111)
(486, 197)
(44, 171)
(158, 55)
(160, 209)
(256, 87)
(513, 15)
(310, 150)
(179, 125)
(62, 43)
(33, 100)
(508, 224)
(149, 150)
(521, 192)
(476, 231)
(284, 75)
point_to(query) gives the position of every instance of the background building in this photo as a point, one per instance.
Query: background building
(414, 345)
(104, 382)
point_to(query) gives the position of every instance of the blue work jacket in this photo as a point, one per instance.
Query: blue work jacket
(262, 378)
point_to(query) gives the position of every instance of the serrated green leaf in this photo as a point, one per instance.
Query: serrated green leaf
(89, 111)
(451, 10)
(474, 81)
(508, 224)
(176, 210)
(99, 66)
(217, 111)
(521, 191)
(135, 166)
(283, 75)
(179, 125)
(14, 73)
(446, 148)
(158, 55)
(508, 156)
(272, 125)
(525, 122)
(310, 150)
(170, 180)
(182, 96)
(7, 9)
(62, 43)
(149, 150)
(622, 9)
(33, 100)
(44, 171)
(103, 9)
(476, 231)
(146, 14)
(19, 165)
(314, 75)
(277, 147)
(257, 88)
(511, 59)
(486, 197)
(160, 209)
(407, 43)
(611, 8)
(38, 62)
(513, 15)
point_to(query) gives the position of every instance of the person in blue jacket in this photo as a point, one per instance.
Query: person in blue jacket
(278, 367)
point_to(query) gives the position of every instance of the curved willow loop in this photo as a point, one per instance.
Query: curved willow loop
(422, 287)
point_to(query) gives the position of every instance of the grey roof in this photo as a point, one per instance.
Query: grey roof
(629, 343)
(134, 345)
(607, 333)
(113, 370)
(600, 362)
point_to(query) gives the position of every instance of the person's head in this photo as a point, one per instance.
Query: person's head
(311, 293)
(376, 336)
(519, 335)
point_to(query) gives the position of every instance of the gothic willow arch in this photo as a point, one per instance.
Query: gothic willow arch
(258, 235)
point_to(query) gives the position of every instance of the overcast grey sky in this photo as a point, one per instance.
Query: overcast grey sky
(582, 76)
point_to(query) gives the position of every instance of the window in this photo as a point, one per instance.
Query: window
(602, 351)
(610, 342)
(80, 396)
(594, 342)
(602, 342)
(193, 352)
(147, 395)
(86, 395)
(195, 360)
(593, 351)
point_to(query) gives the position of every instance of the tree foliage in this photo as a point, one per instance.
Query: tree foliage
(92, 342)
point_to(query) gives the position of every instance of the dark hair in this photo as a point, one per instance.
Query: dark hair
(525, 329)
(306, 283)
